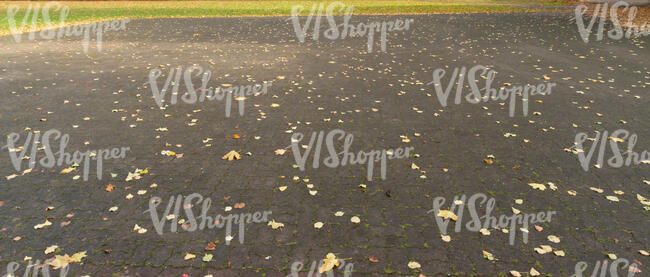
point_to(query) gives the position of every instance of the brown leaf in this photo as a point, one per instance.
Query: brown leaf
(110, 187)
(211, 246)
(65, 223)
(373, 259)
(239, 205)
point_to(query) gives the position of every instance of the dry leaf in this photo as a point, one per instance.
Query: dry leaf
(537, 186)
(189, 256)
(534, 272)
(51, 249)
(488, 255)
(62, 261)
(44, 224)
(414, 265)
(211, 246)
(67, 170)
(232, 155)
(275, 225)
(445, 214)
(329, 262)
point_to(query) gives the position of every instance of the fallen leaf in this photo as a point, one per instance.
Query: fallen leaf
(232, 155)
(51, 249)
(67, 170)
(414, 265)
(189, 256)
(373, 259)
(207, 257)
(44, 224)
(445, 214)
(488, 255)
(534, 272)
(329, 262)
(62, 261)
(537, 186)
(275, 225)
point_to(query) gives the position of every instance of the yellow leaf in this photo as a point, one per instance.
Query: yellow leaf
(414, 265)
(44, 224)
(189, 256)
(534, 272)
(67, 170)
(275, 225)
(612, 256)
(318, 225)
(515, 273)
(76, 257)
(445, 214)
(596, 189)
(445, 238)
(60, 261)
(538, 186)
(612, 198)
(329, 262)
(488, 255)
(282, 188)
(554, 239)
(51, 249)
(280, 152)
(559, 253)
(232, 155)
(355, 219)
(515, 211)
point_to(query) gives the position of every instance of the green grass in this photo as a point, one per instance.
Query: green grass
(89, 11)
